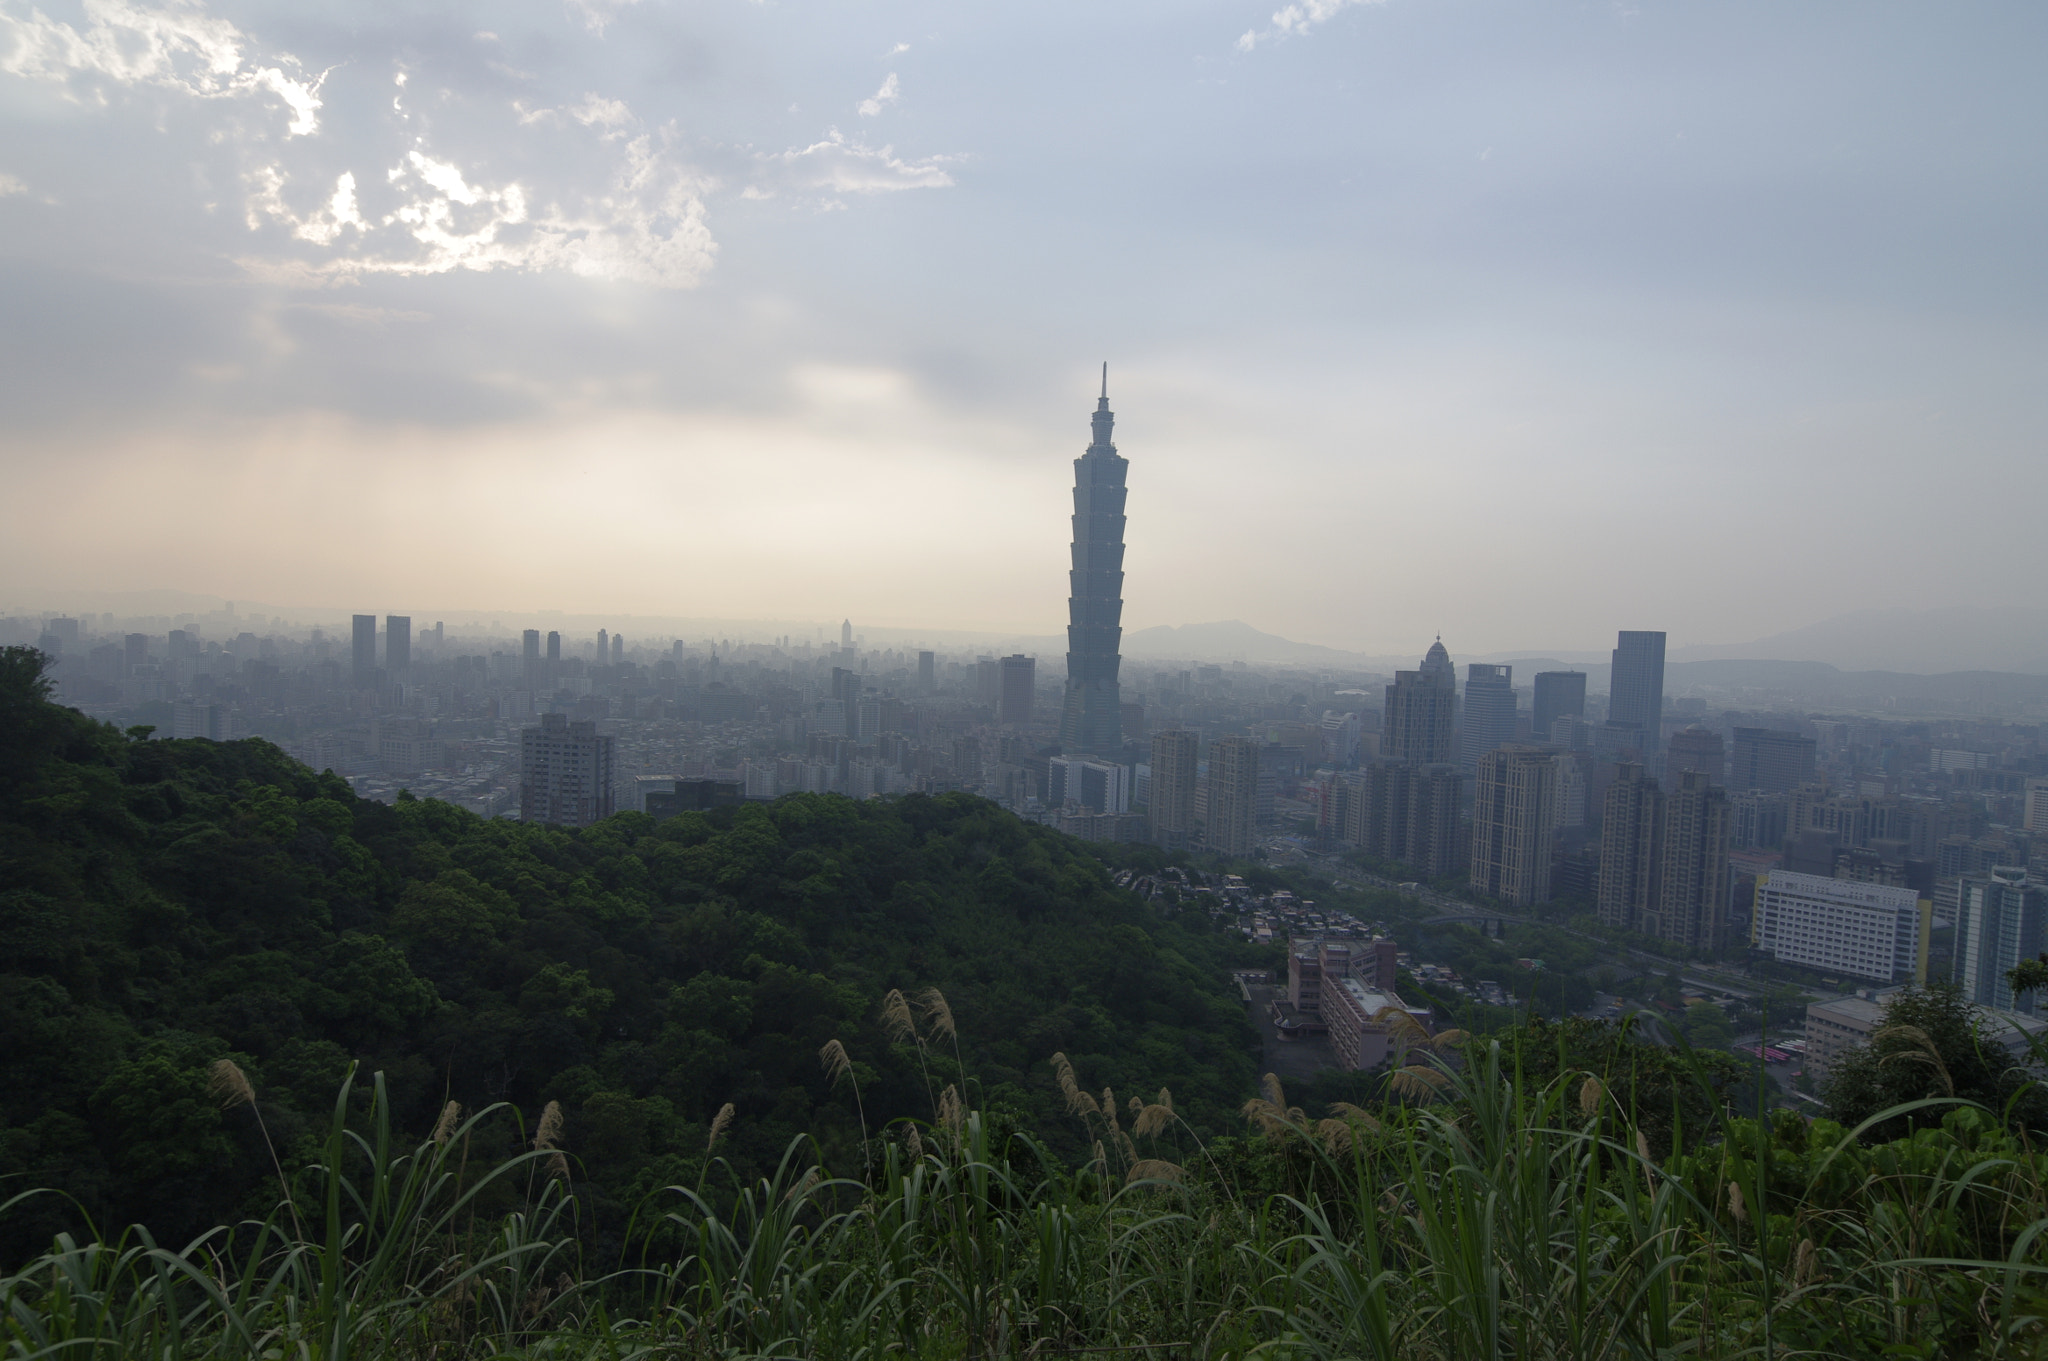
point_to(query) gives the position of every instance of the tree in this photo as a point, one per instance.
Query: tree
(1931, 1043)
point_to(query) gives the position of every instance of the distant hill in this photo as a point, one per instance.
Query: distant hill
(1922, 642)
(1230, 640)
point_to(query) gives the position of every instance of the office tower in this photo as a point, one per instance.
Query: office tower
(1096, 785)
(1421, 711)
(1631, 825)
(1635, 686)
(2000, 920)
(135, 650)
(1697, 749)
(566, 772)
(846, 635)
(1759, 820)
(554, 646)
(1172, 795)
(604, 647)
(927, 673)
(1866, 930)
(1514, 792)
(529, 645)
(1770, 760)
(1090, 720)
(1489, 718)
(1233, 795)
(1559, 694)
(1692, 880)
(363, 650)
(1018, 673)
(618, 649)
(846, 692)
(397, 644)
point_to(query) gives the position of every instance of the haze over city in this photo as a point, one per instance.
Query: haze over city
(1518, 323)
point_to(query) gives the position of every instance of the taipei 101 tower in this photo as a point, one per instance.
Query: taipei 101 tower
(1090, 720)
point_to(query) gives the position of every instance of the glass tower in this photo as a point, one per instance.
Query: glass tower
(1090, 720)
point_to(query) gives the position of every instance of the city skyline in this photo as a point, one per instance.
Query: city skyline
(309, 306)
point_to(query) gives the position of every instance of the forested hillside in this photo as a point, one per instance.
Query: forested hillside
(164, 904)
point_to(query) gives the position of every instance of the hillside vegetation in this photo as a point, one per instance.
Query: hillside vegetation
(165, 904)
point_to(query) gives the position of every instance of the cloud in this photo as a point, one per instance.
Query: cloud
(10, 184)
(597, 14)
(840, 166)
(895, 51)
(594, 112)
(183, 49)
(1297, 19)
(646, 227)
(888, 94)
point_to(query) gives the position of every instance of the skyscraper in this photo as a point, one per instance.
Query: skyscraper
(363, 651)
(1233, 795)
(1631, 831)
(1635, 686)
(1696, 748)
(1019, 674)
(2003, 919)
(1172, 797)
(397, 644)
(529, 645)
(565, 772)
(845, 635)
(1489, 718)
(927, 673)
(1090, 719)
(1514, 820)
(1559, 694)
(1421, 711)
(1692, 882)
(1773, 761)
(554, 646)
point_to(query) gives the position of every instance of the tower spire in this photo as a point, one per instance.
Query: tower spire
(1105, 380)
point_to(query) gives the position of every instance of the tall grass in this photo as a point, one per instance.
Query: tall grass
(1486, 1215)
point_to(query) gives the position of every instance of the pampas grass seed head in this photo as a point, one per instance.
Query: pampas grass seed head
(228, 1084)
(1153, 1169)
(896, 1017)
(933, 1002)
(1270, 1085)
(1590, 1092)
(444, 1128)
(1736, 1208)
(719, 1124)
(837, 1064)
(550, 1131)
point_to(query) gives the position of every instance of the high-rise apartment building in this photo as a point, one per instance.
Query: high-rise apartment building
(363, 650)
(529, 645)
(1514, 823)
(1635, 687)
(1559, 694)
(1692, 880)
(1773, 761)
(397, 644)
(554, 646)
(1091, 717)
(2001, 919)
(1489, 716)
(1699, 749)
(1233, 795)
(2034, 812)
(1869, 931)
(618, 649)
(1172, 793)
(927, 673)
(1631, 828)
(566, 772)
(1421, 711)
(1019, 675)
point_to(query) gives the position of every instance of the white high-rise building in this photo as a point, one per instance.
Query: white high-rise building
(2001, 919)
(1842, 926)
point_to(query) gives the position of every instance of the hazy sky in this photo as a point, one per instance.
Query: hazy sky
(1514, 319)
